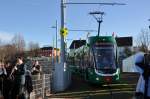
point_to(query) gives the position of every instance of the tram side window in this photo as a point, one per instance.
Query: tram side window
(84, 60)
(77, 60)
(71, 60)
(91, 60)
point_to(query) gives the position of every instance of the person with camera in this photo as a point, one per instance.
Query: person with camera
(143, 86)
(36, 70)
(19, 79)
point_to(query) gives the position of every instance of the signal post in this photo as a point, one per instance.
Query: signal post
(62, 77)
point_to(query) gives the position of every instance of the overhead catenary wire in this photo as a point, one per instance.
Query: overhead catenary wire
(96, 3)
(82, 30)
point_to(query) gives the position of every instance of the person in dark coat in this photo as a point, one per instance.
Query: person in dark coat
(8, 82)
(36, 68)
(28, 83)
(19, 78)
(3, 74)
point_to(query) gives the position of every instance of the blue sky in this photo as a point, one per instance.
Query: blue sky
(34, 19)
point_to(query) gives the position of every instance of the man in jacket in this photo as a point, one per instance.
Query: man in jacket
(19, 75)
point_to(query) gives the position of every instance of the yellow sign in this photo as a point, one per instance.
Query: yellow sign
(64, 32)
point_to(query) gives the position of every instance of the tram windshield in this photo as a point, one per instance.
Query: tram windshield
(104, 57)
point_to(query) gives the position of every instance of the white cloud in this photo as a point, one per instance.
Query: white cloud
(5, 36)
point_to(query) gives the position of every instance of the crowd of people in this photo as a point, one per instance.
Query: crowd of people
(15, 80)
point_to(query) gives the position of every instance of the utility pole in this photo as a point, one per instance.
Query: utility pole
(53, 52)
(62, 26)
(56, 27)
(149, 28)
(56, 44)
(149, 25)
(61, 78)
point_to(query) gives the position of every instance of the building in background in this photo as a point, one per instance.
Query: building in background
(124, 45)
(77, 43)
(48, 52)
(125, 48)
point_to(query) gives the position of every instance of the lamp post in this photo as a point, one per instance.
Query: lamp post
(56, 27)
(63, 7)
(60, 77)
(149, 25)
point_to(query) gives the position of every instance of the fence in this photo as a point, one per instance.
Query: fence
(41, 86)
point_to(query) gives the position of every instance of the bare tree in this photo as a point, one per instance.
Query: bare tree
(2, 53)
(10, 52)
(33, 48)
(143, 40)
(19, 42)
(7, 53)
(0, 42)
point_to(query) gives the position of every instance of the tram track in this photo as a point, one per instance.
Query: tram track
(82, 90)
(99, 91)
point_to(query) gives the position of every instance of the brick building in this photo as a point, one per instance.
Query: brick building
(47, 51)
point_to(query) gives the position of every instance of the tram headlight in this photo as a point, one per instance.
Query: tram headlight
(97, 78)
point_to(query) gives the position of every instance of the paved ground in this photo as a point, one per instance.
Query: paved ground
(80, 89)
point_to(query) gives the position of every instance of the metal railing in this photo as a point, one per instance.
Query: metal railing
(41, 86)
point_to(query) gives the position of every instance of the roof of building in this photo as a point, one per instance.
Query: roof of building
(124, 41)
(46, 48)
(77, 43)
(49, 48)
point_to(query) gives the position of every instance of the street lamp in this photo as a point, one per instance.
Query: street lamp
(56, 40)
(149, 25)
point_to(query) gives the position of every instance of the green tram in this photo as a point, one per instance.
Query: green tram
(95, 61)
